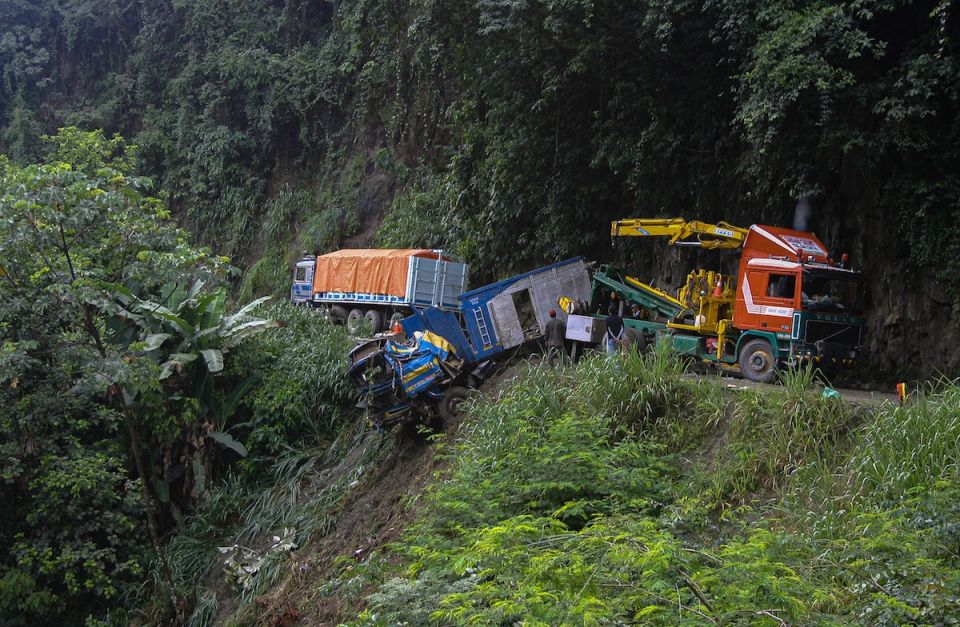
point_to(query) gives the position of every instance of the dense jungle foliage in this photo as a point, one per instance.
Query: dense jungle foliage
(145, 420)
(301, 120)
(126, 390)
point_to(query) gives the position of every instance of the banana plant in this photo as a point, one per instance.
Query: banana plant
(189, 327)
(187, 334)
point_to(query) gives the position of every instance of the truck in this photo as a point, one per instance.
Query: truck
(789, 304)
(377, 285)
(425, 371)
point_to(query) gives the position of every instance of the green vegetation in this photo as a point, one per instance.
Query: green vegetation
(620, 490)
(153, 441)
(113, 402)
(256, 523)
(542, 119)
(144, 421)
(301, 393)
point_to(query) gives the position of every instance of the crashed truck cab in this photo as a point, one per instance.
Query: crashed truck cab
(796, 298)
(416, 373)
(426, 372)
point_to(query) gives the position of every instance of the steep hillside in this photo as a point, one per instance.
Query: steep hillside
(171, 456)
(283, 126)
(619, 489)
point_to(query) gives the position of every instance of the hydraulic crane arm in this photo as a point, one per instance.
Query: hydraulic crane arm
(682, 232)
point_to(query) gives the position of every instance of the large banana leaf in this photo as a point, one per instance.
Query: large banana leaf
(238, 333)
(175, 359)
(154, 341)
(227, 440)
(244, 311)
(212, 309)
(214, 359)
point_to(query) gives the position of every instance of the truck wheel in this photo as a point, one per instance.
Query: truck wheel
(353, 321)
(449, 405)
(757, 362)
(338, 314)
(638, 340)
(375, 318)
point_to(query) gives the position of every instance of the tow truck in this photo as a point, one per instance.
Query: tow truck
(789, 304)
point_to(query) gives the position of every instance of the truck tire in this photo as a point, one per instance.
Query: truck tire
(353, 321)
(338, 314)
(375, 318)
(638, 340)
(757, 362)
(449, 405)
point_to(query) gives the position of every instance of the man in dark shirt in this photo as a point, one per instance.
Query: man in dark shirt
(555, 334)
(614, 330)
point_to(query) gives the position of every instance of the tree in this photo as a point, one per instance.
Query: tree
(84, 247)
(184, 340)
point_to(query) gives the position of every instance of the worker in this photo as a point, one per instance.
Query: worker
(555, 333)
(615, 333)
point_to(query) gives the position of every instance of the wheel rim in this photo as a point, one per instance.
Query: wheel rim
(759, 361)
(354, 320)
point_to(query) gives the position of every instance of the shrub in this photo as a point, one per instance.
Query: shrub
(302, 389)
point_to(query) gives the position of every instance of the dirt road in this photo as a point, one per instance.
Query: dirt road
(870, 397)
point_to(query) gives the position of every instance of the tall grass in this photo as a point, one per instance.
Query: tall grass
(205, 611)
(566, 442)
(767, 436)
(879, 519)
(302, 395)
(541, 516)
(550, 509)
(638, 390)
(895, 454)
(906, 448)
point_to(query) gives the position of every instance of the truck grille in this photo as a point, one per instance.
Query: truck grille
(833, 332)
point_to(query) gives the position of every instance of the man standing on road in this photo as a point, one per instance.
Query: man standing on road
(555, 333)
(614, 330)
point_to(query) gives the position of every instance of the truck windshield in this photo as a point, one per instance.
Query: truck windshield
(826, 291)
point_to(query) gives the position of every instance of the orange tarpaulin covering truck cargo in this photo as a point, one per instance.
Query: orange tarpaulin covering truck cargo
(377, 283)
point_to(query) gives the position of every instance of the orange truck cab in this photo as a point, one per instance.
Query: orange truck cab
(794, 304)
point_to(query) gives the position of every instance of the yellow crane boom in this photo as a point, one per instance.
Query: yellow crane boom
(682, 232)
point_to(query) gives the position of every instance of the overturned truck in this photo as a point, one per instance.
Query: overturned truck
(425, 372)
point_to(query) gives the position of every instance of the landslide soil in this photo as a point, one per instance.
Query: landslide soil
(373, 514)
